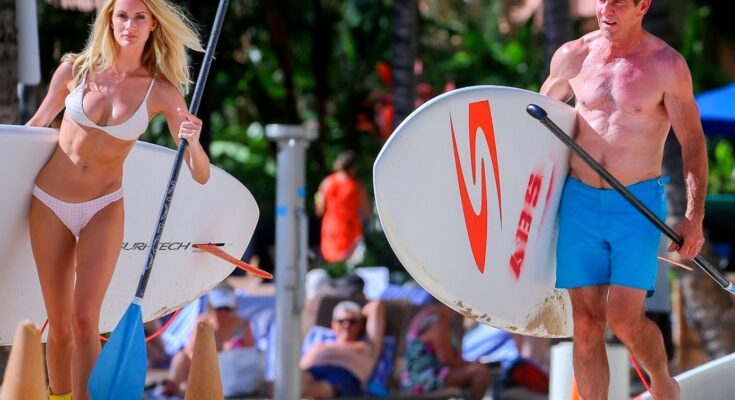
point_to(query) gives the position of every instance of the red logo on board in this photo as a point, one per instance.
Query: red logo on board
(524, 223)
(480, 117)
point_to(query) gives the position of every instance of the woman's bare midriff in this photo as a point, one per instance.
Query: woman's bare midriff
(86, 164)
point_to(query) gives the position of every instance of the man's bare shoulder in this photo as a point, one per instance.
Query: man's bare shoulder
(670, 65)
(577, 50)
(589, 39)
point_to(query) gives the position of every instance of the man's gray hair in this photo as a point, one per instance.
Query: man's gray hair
(346, 305)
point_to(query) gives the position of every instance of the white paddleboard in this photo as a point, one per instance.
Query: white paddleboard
(467, 189)
(222, 211)
(711, 381)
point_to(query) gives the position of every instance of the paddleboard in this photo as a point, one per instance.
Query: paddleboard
(711, 381)
(223, 211)
(467, 189)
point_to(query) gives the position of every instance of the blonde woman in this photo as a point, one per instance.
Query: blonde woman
(134, 66)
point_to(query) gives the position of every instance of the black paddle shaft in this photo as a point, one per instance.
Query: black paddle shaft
(196, 98)
(540, 114)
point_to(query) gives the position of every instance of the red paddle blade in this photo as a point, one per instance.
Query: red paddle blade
(217, 252)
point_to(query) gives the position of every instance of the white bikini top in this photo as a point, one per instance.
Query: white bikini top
(131, 129)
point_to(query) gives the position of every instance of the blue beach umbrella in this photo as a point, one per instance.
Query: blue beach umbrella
(717, 109)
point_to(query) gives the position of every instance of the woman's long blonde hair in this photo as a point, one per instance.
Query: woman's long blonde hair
(165, 51)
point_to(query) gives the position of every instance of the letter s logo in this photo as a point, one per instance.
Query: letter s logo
(480, 117)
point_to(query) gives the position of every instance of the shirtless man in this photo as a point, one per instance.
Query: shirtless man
(343, 368)
(630, 88)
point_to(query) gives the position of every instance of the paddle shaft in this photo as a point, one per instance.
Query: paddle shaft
(196, 99)
(541, 115)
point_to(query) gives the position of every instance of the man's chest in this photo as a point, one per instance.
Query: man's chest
(618, 85)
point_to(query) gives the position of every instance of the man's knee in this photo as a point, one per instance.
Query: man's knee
(589, 326)
(624, 322)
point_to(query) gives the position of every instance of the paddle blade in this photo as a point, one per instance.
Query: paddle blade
(119, 372)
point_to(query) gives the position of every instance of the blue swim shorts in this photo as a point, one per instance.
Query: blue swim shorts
(341, 380)
(603, 239)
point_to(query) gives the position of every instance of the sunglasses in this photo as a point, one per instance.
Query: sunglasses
(348, 321)
(228, 309)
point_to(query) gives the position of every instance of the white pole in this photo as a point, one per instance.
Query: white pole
(29, 64)
(290, 253)
(562, 372)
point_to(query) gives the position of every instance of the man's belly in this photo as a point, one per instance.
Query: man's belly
(626, 174)
(629, 148)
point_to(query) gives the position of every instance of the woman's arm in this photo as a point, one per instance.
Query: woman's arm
(53, 103)
(439, 337)
(247, 334)
(320, 205)
(182, 125)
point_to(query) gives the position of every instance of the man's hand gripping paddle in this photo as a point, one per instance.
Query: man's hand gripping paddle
(120, 370)
(540, 114)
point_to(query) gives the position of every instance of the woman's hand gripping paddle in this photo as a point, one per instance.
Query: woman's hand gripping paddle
(540, 114)
(120, 370)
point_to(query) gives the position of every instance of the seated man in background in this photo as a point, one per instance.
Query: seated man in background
(230, 332)
(343, 368)
(434, 356)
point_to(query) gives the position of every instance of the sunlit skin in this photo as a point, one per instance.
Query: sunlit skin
(629, 88)
(87, 164)
(460, 373)
(349, 351)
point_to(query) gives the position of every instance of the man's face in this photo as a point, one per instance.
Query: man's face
(618, 17)
(347, 325)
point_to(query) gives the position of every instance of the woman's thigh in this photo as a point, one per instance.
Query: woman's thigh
(53, 250)
(97, 253)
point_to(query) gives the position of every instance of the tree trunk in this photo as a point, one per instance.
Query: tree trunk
(8, 63)
(557, 28)
(403, 50)
(278, 35)
(321, 42)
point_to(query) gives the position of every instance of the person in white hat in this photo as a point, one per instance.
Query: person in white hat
(230, 332)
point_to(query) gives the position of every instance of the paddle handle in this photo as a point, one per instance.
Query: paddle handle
(196, 99)
(540, 114)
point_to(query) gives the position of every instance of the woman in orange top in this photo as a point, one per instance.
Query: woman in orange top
(343, 204)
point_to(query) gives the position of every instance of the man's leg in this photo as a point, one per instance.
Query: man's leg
(315, 389)
(473, 375)
(590, 359)
(642, 337)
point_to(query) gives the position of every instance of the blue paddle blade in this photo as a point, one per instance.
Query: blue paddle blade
(119, 373)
